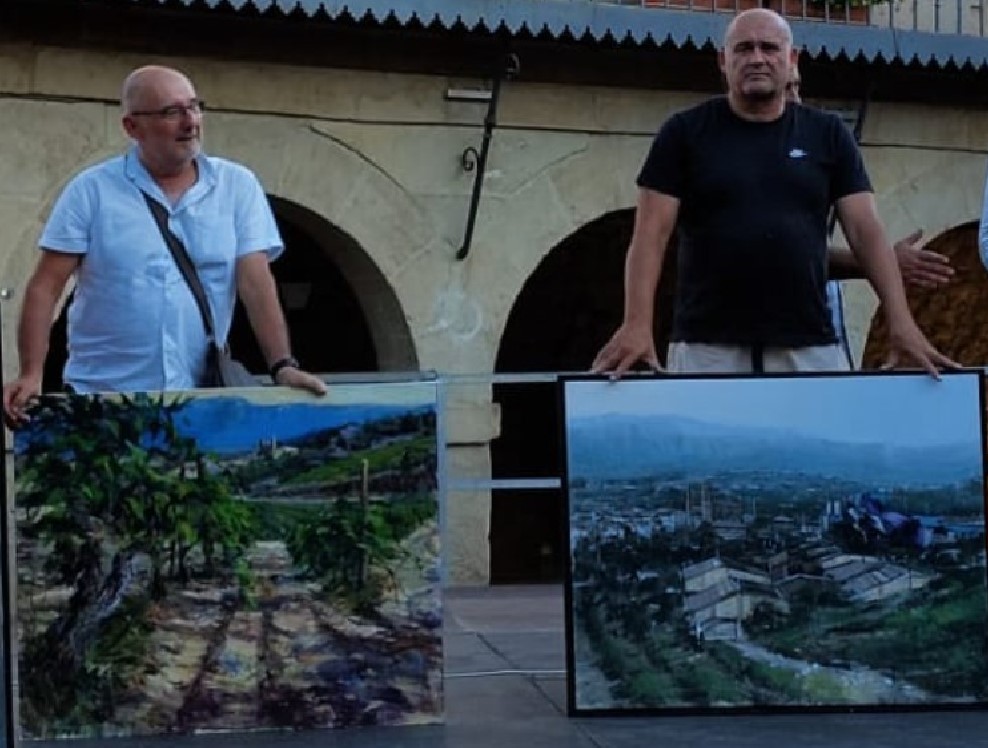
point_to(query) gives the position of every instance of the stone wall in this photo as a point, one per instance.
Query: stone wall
(377, 157)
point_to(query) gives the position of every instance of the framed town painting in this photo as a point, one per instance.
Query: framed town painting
(793, 542)
(227, 560)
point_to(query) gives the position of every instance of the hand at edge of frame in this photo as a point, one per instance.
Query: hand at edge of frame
(17, 397)
(297, 379)
(906, 341)
(629, 345)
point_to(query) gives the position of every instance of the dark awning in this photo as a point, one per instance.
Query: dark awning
(602, 21)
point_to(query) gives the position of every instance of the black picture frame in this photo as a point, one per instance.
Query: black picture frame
(638, 639)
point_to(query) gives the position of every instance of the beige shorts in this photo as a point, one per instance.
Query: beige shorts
(700, 358)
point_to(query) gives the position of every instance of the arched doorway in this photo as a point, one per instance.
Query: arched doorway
(342, 314)
(567, 310)
(955, 318)
(328, 328)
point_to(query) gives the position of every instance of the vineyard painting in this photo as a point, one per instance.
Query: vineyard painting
(228, 560)
(781, 543)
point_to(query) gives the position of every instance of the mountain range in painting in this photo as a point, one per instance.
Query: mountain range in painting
(622, 446)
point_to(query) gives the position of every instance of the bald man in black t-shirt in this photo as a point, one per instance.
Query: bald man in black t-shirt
(748, 181)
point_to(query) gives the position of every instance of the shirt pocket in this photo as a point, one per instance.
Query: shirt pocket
(126, 247)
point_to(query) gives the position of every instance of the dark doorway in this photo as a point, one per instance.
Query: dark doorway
(328, 328)
(566, 311)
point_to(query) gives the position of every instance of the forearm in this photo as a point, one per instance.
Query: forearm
(257, 290)
(643, 267)
(34, 327)
(878, 265)
(268, 323)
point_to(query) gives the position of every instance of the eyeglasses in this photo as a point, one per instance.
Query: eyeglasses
(173, 112)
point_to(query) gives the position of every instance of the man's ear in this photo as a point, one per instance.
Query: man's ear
(129, 125)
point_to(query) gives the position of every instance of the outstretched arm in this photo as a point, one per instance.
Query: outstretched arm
(655, 219)
(919, 267)
(41, 296)
(257, 290)
(866, 235)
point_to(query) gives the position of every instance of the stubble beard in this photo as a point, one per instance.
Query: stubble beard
(758, 94)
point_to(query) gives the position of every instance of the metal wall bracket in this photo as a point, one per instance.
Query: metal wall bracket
(471, 159)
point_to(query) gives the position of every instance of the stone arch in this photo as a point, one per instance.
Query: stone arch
(548, 187)
(955, 318)
(573, 300)
(371, 226)
(566, 310)
(394, 349)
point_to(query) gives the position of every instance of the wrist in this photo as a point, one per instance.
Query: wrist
(33, 375)
(638, 324)
(900, 324)
(285, 362)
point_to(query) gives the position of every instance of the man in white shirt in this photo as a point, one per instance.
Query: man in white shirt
(134, 323)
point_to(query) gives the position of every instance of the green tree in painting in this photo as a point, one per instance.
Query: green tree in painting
(354, 545)
(112, 492)
(348, 539)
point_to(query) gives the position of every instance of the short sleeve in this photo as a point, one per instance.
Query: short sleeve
(849, 176)
(664, 169)
(256, 227)
(69, 227)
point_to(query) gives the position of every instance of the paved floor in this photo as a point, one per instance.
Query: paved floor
(505, 687)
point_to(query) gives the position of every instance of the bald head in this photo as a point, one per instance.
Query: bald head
(757, 17)
(163, 117)
(146, 86)
(756, 61)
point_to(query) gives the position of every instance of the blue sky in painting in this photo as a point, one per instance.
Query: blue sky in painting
(231, 424)
(901, 410)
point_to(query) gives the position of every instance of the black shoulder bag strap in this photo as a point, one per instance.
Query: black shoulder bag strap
(184, 263)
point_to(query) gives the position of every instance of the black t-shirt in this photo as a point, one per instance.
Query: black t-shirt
(752, 228)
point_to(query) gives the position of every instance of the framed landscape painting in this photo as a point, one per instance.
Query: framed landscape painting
(779, 543)
(227, 560)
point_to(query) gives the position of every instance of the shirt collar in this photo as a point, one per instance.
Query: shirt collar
(138, 174)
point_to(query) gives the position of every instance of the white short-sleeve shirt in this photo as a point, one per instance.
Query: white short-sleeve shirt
(133, 324)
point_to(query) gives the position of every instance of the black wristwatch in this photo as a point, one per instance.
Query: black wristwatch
(283, 363)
